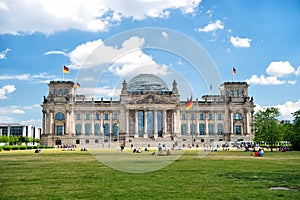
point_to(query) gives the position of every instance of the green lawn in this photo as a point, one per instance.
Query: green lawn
(56, 174)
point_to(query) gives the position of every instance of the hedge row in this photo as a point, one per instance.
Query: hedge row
(8, 148)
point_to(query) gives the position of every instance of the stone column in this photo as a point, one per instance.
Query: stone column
(215, 123)
(165, 122)
(247, 122)
(101, 124)
(136, 131)
(51, 124)
(43, 123)
(155, 123)
(231, 123)
(83, 123)
(67, 131)
(127, 122)
(197, 124)
(111, 123)
(206, 123)
(145, 124)
(188, 130)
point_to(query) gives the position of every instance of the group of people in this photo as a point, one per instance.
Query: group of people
(259, 153)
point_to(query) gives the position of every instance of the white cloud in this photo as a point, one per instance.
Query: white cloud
(297, 72)
(280, 68)
(49, 16)
(3, 53)
(285, 109)
(79, 55)
(3, 6)
(6, 119)
(99, 92)
(240, 42)
(5, 90)
(262, 80)
(37, 78)
(56, 53)
(291, 82)
(35, 122)
(129, 58)
(288, 108)
(212, 27)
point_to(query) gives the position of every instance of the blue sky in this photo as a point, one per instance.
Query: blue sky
(260, 38)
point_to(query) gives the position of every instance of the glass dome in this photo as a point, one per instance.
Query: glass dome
(147, 82)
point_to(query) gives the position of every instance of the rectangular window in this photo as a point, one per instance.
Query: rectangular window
(78, 116)
(210, 129)
(87, 116)
(97, 117)
(192, 116)
(238, 130)
(183, 116)
(201, 116)
(210, 116)
(201, 129)
(96, 141)
(59, 130)
(220, 129)
(106, 116)
(219, 116)
(116, 116)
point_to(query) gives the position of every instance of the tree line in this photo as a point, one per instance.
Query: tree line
(18, 140)
(268, 129)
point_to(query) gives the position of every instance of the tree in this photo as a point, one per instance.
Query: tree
(266, 126)
(295, 138)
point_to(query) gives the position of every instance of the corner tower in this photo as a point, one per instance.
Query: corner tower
(58, 111)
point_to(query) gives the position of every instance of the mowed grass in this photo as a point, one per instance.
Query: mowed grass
(56, 174)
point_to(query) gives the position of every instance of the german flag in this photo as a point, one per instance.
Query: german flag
(77, 85)
(233, 71)
(189, 104)
(66, 70)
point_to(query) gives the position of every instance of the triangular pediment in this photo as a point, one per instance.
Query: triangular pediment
(151, 98)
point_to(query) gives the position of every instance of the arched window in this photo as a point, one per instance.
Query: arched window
(183, 129)
(115, 129)
(54, 91)
(60, 116)
(237, 116)
(60, 91)
(106, 129)
(78, 129)
(201, 129)
(97, 129)
(87, 129)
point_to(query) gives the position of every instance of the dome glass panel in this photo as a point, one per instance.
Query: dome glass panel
(147, 82)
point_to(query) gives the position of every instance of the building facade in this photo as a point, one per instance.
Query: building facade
(16, 129)
(146, 111)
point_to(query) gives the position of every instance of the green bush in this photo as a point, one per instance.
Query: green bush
(35, 147)
(29, 147)
(7, 148)
(15, 148)
(23, 147)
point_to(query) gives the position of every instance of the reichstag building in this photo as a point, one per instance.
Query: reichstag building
(146, 112)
